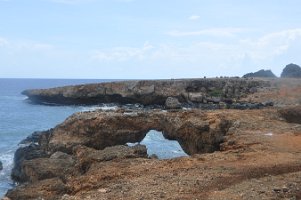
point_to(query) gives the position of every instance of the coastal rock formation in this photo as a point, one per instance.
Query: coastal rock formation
(235, 154)
(291, 71)
(195, 131)
(103, 129)
(151, 92)
(259, 150)
(261, 73)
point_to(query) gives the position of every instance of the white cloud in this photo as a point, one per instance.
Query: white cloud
(71, 1)
(123, 53)
(272, 44)
(24, 45)
(216, 32)
(194, 17)
(74, 2)
(223, 56)
(3, 42)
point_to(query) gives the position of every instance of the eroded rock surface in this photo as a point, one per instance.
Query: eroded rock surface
(148, 92)
(193, 130)
(255, 154)
(258, 147)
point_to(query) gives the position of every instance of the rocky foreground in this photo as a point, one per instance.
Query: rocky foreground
(235, 154)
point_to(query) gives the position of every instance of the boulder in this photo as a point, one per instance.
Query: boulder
(172, 103)
(87, 156)
(291, 114)
(291, 71)
(45, 168)
(260, 74)
(24, 154)
(47, 189)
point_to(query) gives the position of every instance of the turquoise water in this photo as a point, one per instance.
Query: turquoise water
(19, 118)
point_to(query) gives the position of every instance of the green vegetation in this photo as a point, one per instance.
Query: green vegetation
(216, 93)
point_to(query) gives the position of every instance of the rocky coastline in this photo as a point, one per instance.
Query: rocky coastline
(235, 153)
(150, 92)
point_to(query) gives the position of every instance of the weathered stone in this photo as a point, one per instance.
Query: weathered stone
(24, 154)
(291, 114)
(86, 156)
(45, 168)
(103, 129)
(143, 92)
(172, 103)
(49, 189)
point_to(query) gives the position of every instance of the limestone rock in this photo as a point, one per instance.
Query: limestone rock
(172, 103)
(46, 189)
(24, 154)
(151, 92)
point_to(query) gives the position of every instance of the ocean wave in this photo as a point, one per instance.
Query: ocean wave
(14, 98)
(5, 180)
(99, 107)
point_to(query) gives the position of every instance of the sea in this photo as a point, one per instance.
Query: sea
(19, 118)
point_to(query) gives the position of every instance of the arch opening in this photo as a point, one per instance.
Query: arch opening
(158, 145)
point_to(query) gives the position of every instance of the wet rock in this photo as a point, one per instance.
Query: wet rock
(1, 165)
(172, 103)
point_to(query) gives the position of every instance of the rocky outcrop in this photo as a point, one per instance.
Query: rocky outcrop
(90, 136)
(257, 143)
(151, 92)
(291, 71)
(260, 74)
(49, 189)
(172, 103)
(291, 114)
(99, 130)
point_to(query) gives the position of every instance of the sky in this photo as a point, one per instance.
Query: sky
(147, 39)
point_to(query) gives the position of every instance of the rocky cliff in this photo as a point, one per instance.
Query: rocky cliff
(261, 73)
(149, 92)
(291, 71)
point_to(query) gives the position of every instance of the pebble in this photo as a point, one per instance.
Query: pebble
(277, 190)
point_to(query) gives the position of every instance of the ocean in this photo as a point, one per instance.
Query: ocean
(19, 118)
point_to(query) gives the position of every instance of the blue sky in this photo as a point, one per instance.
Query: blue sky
(145, 39)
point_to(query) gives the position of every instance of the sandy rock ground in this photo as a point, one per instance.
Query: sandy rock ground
(264, 163)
